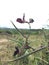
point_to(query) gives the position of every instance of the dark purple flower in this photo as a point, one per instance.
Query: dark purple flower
(20, 20)
(31, 20)
(16, 51)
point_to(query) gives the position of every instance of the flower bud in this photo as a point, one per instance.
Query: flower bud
(31, 20)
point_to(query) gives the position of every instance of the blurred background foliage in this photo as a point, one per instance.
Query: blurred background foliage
(9, 38)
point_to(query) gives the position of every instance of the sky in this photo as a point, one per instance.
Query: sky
(13, 9)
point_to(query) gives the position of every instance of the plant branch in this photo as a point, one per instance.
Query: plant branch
(21, 57)
(18, 30)
(42, 60)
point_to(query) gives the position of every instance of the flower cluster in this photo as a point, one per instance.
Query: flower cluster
(24, 21)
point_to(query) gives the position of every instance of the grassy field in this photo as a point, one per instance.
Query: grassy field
(8, 41)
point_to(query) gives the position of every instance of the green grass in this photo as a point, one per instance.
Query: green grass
(9, 41)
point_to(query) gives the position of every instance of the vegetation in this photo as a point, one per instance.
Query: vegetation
(9, 38)
(25, 31)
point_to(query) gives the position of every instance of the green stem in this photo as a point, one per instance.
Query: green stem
(42, 60)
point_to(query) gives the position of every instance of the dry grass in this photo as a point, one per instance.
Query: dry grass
(7, 46)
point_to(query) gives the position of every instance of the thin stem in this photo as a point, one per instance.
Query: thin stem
(29, 32)
(42, 60)
(18, 30)
(44, 34)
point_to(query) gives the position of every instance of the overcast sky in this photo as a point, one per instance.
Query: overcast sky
(13, 9)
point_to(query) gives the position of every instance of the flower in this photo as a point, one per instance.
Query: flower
(20, 20)
(23, 20)
(24, 17)
(16, 51)
(31, 20)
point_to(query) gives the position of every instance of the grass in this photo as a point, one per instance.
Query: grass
(7, 47)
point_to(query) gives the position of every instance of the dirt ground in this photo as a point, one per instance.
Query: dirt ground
(3, 40)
